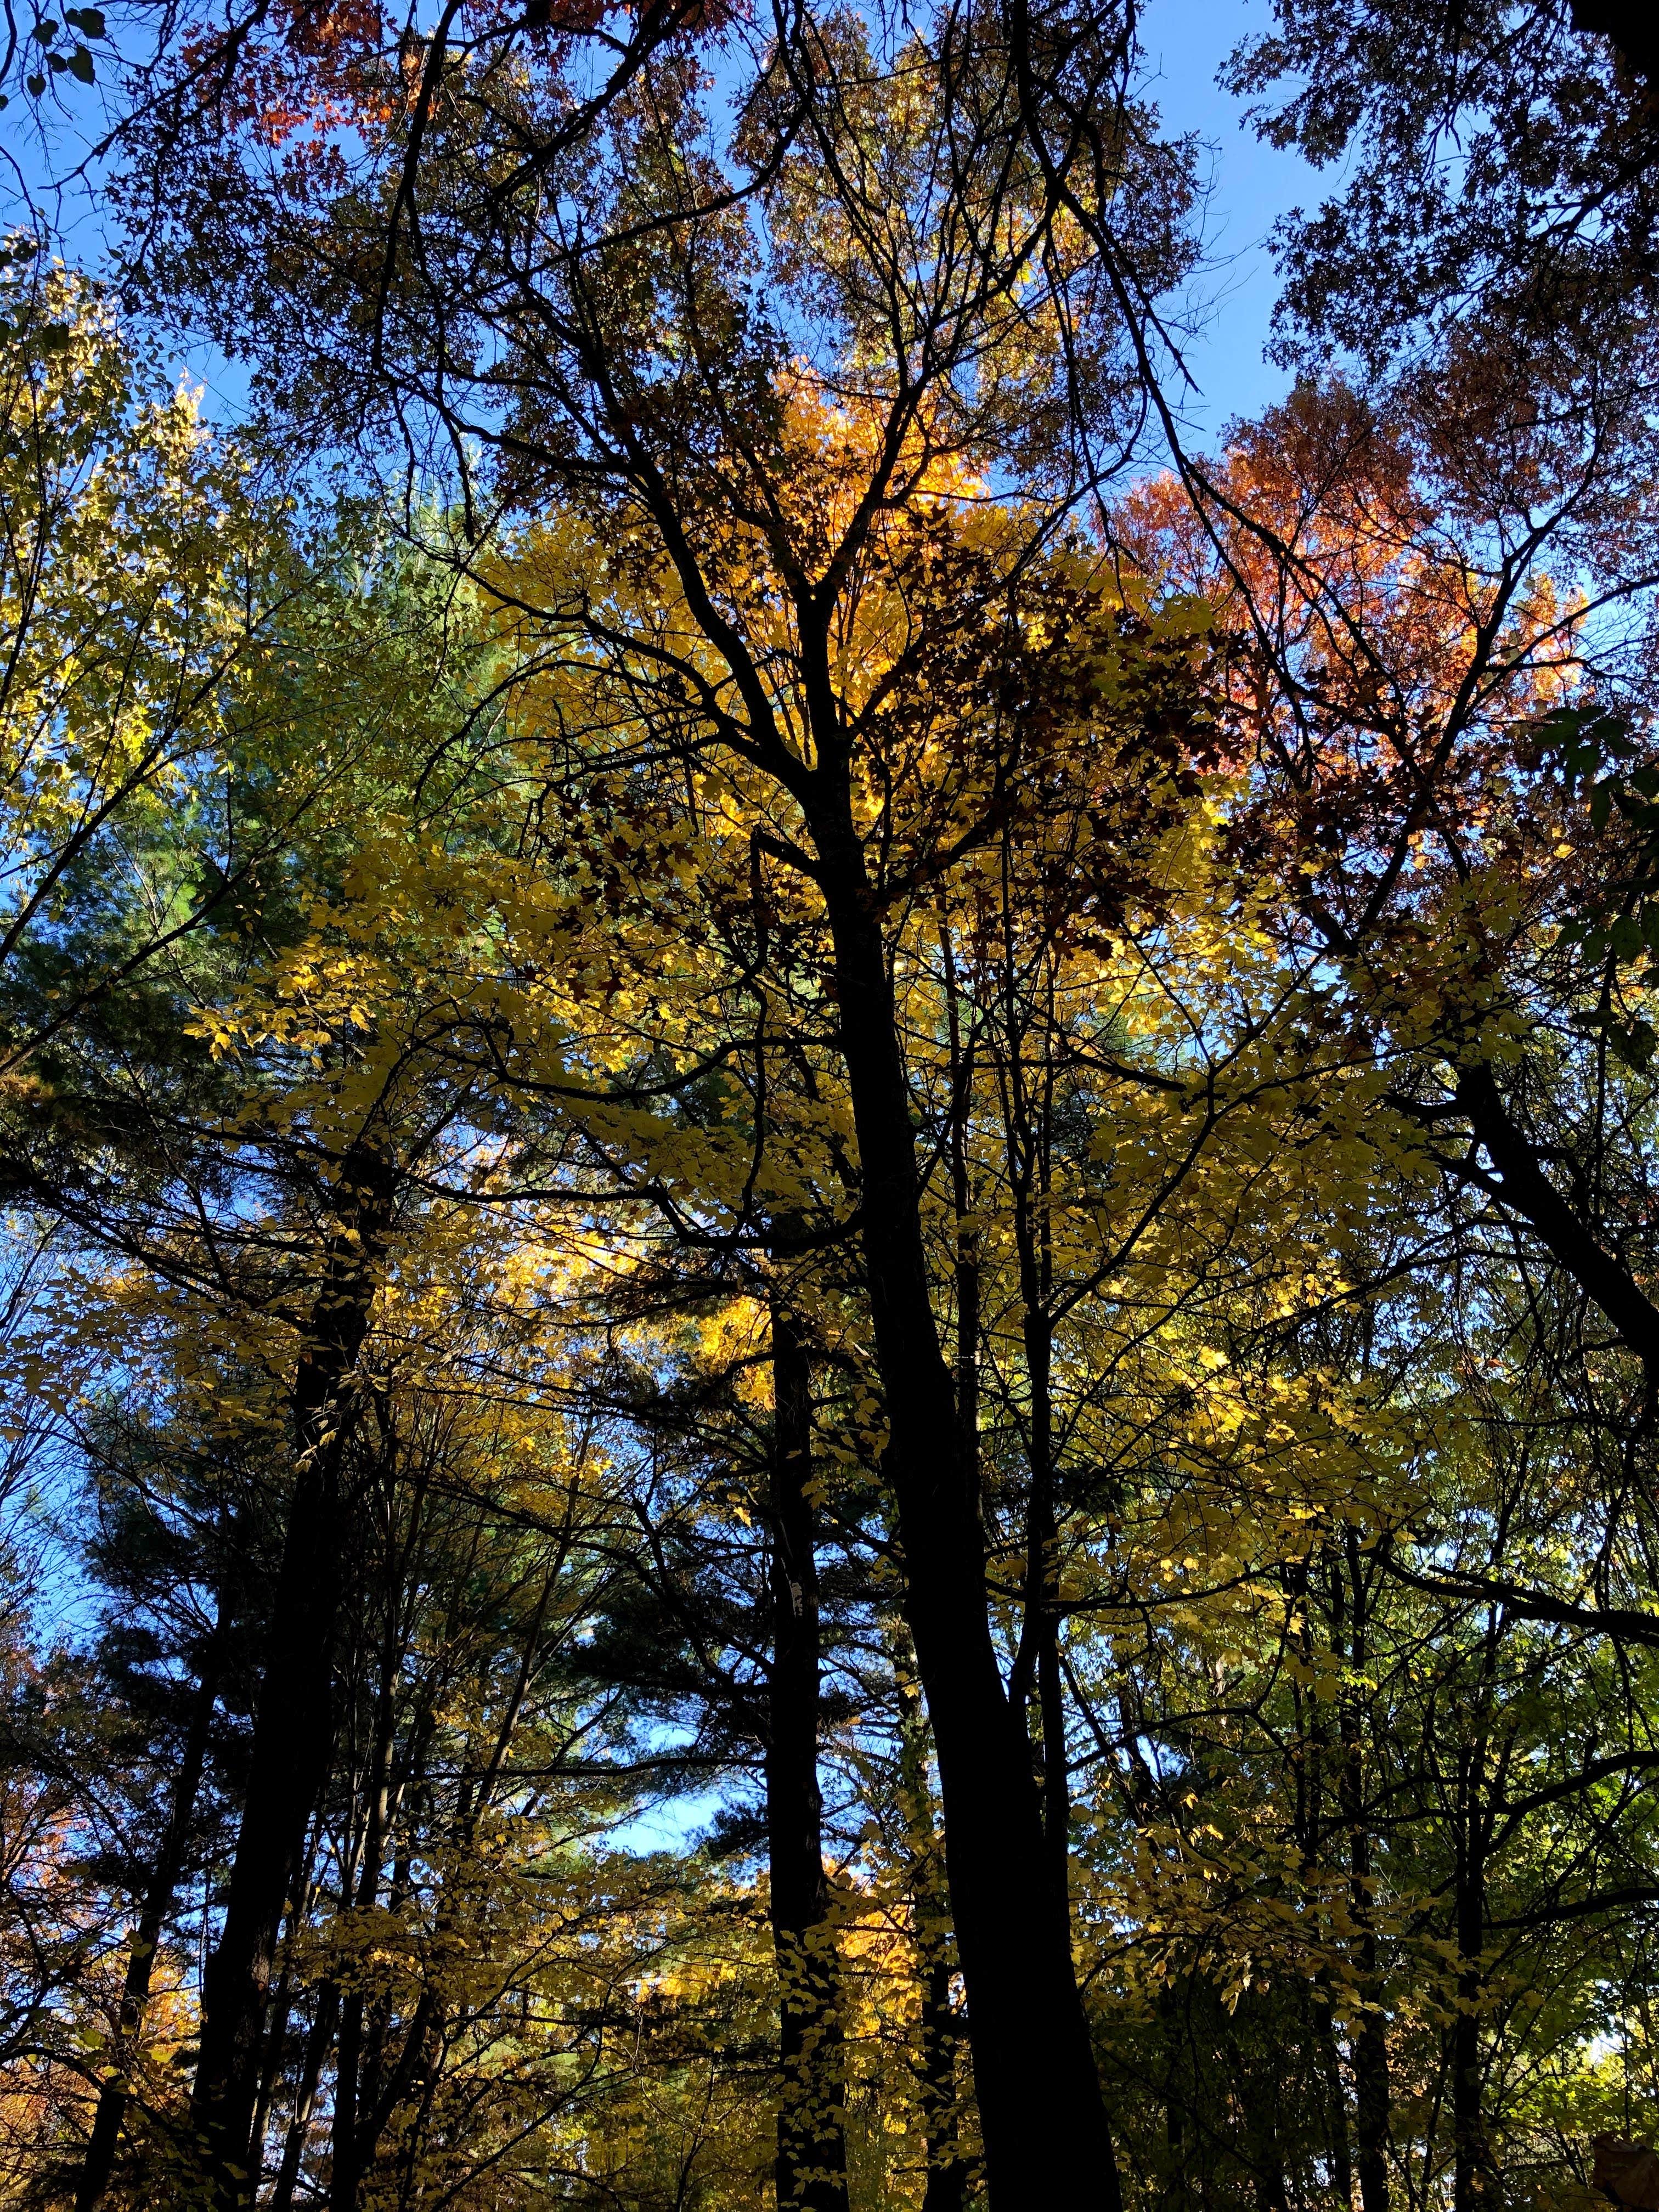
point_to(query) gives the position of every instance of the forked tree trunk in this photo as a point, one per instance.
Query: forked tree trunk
(1043, 2118)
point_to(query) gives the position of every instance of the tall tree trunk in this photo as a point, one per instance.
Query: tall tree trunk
(345, 2137)
(1474, 2180)
(941, 2033)
(413, 2079)
(1373, 2095)
(1262, 2147)
(281, 2009)
(939, 2025)
(99, 2160)
(293, 1725)
(1044, 2121)
(1267, 2179)
(967, 1268)
(1028, 1109)
(346, 2175)
(317, 2045)
(1336, 2101)
(1038, 1666)
(811, 2146)
(1178, 2096)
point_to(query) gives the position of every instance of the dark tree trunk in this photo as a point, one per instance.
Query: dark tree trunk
(344, 2139)
(412, 2081)
(1628, 26)
(1268, 2180)
(1474, 2180)
(1040, 1640)
(1254, 2028)
(1527, 1191)
(281, 2005)
(811, 2146)
(99, 2160)
(967, 1270)
(1176, 2096)
(1043, 2119)
(941, 2035)
(350, 2083)
(939, 2025)
(363, 2028)
(293, 1725)
(1336, 2103)
(1373, 2095)
(1027, 1105)
(1373, 2099)
(317, 2047)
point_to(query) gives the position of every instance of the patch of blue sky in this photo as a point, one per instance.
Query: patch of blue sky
(673, 1823)
(1247, 187)
(56, 171)
(1225, 312)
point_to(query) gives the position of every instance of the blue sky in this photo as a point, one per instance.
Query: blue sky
(1250, 186)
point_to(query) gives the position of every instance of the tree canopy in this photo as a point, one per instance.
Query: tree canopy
(829, 1340)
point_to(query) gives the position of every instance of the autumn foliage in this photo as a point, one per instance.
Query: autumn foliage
(828, 1353)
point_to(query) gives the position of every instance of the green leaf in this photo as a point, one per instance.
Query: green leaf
(46, 30)
(89, 22)
(80, 65)
(1625, 937)
(1600, 805)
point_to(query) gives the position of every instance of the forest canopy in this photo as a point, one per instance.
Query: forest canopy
(830, 1295)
